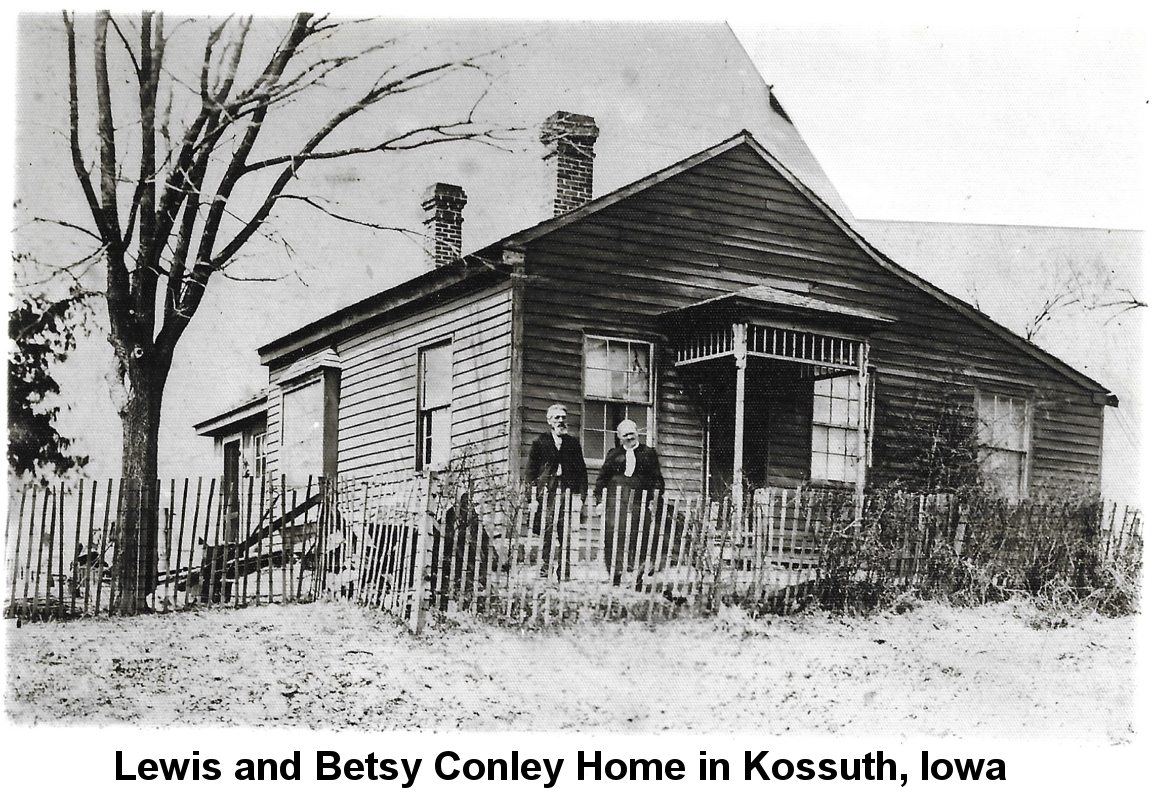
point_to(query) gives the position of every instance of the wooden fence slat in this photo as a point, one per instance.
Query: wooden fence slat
(304, 527)
(224, 502)
(16, 552)
(74, 569)
(60, 558)
(31, 545)
(103, 546)
(49, 495)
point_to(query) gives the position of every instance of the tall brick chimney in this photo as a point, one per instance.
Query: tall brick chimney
(569, 141)
(442, 204)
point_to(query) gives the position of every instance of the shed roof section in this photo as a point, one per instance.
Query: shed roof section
(766, 297)
(233, 417)
(487, 265)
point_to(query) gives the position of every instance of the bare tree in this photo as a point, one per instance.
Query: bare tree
(1074, 290)
(176, 196)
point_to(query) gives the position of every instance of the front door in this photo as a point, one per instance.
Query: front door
(231, 490)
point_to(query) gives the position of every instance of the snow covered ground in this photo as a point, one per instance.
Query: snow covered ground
(932, 671)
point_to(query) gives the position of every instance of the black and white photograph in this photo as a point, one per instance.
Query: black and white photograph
(495, 399)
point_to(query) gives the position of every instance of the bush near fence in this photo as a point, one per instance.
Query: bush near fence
(976, 547)
(424, 548)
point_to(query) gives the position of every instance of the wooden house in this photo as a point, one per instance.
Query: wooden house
(756, 338)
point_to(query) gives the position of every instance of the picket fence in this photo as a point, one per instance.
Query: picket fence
(424, 547)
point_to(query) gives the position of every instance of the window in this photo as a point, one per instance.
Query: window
(434, 395)
(302, 453)
(618, 379)
(834, 434)
(259, 456)
(1003, 434)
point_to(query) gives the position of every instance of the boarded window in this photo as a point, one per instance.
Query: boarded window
(834, 434)
(434, 398)
(1003, 435)
(619, 385)
(302, 434)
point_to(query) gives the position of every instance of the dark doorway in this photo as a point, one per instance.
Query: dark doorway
(231, 490)
(778, 408)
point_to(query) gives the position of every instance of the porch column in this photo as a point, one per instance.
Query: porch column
(863, 395)
(739, 410)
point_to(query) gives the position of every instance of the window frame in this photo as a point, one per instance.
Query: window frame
(651, 406)
(855, 396)
(423, 457)
(1027, 453)
(259, 446)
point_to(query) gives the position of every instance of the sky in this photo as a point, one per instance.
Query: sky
(1004, 125)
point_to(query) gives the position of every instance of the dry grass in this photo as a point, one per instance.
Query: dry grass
(926, 669)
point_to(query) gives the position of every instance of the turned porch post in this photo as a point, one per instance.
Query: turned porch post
(863, 395)
(739, 410)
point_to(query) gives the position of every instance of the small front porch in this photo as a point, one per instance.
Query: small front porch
(781, 381)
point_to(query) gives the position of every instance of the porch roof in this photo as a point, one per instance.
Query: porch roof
(222, 423)
(764, 300)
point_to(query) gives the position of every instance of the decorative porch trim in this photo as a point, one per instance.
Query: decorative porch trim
(772, 342)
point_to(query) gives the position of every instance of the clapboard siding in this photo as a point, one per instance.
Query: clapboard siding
(729, 223)
(377, 415)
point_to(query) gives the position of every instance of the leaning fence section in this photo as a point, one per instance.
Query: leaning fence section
(423, 548)
(254, 543)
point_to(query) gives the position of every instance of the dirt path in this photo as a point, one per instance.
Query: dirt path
(933, 671)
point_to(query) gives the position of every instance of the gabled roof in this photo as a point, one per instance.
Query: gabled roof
(746, 138)
(448, 277)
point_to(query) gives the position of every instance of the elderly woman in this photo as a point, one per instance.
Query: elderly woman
(630, 470)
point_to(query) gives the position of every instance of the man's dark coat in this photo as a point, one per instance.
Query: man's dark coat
(544, 456)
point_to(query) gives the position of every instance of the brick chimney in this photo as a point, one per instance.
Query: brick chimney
(442, 204)
(569, 141)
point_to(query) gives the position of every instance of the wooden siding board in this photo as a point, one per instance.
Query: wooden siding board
(377, 417)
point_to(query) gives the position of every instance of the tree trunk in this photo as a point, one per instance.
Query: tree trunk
(138, 517)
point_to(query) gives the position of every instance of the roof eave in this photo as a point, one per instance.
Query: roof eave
(347, 320)
(218, 424)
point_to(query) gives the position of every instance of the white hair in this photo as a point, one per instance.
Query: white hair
(625, 425)
(550, 411)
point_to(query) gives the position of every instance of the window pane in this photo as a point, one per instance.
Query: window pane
(597, 383)
(818, 469)
(640, 372)
(595, 353)
(837, 441)
(436, 376)
(851, 441)
(619, 355)
(822, 409)
(439, 437)
(1004, 471)
(639, 386)
(618, 381)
